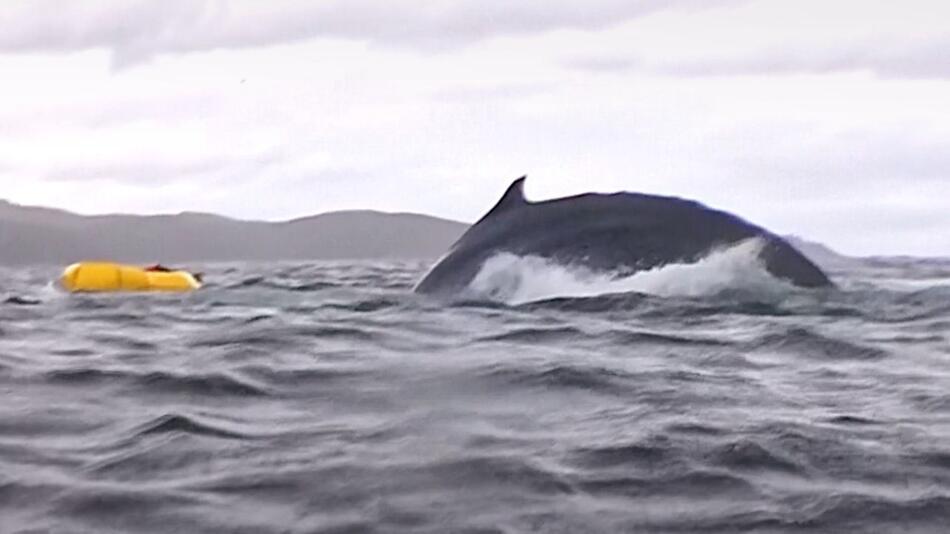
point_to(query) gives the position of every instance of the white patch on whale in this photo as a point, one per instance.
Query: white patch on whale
(514, 279)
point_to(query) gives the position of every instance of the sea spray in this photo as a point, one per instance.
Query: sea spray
(518, 279)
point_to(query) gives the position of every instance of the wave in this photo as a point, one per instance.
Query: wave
(808, 343)
(17, 300)
(693, 483)
(591, 378)
(515, 279)
(188, 424)
(268, 283)
(370, 409)
(195, 384)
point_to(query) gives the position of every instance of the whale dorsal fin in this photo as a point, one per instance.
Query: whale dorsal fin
(512, 199)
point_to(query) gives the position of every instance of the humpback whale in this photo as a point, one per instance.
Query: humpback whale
(619, 233)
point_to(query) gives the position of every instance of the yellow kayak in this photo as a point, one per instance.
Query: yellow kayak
(103, 276)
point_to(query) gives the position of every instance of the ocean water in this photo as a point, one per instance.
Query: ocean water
(327, 397)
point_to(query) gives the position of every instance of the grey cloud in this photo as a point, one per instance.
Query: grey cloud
(804, 179)
(914, 230)
(494, 91)
(114, 109)
(163, 173)
(169, 108)
(138, 30)
(858, 189)
(900, 159)
(884, 59)
(930, 60)
(604, 64)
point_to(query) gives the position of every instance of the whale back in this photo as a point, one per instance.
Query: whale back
(618, 233)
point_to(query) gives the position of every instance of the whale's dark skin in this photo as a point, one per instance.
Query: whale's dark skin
(621, 233)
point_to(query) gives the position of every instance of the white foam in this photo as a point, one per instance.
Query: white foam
(515, 279)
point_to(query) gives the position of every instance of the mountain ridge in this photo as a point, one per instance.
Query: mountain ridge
(35, 234)
(39, 235)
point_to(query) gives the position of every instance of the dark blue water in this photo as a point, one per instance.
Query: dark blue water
(326, 397)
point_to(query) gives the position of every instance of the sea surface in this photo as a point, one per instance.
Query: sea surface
(327, 397)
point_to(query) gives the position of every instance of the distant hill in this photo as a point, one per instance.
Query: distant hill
(30, 235)
(821, 254)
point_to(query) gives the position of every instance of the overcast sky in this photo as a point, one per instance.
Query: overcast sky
(828, 119)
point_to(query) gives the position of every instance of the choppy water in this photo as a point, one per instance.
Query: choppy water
(326, 397)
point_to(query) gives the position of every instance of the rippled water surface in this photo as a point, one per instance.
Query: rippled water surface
(326, 397)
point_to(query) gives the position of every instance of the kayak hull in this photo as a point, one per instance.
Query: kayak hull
(116, 277)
